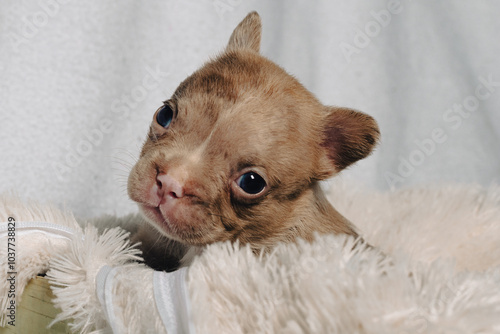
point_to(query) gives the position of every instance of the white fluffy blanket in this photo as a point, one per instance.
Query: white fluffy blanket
(441, 272)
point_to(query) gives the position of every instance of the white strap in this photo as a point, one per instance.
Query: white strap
(104, 288)
(21, 228)
(172, 301)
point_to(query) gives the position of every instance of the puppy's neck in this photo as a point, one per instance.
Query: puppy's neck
(313, 214)
(321, 217)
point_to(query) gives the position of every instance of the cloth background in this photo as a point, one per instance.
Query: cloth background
(80, 82)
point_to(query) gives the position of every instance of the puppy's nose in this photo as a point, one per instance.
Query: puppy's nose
(170, 184)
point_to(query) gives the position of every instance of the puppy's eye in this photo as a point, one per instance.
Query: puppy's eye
(251, 183)
(165, 116)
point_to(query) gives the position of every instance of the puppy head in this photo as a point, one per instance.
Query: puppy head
(235, 152)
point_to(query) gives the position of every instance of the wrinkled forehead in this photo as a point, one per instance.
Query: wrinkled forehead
(238, 93)
(250, 126)
(248, 108)
(226, 77)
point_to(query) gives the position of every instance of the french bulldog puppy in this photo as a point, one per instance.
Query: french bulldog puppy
(237, 153)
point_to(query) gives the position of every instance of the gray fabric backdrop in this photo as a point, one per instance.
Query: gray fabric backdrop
(81, 80)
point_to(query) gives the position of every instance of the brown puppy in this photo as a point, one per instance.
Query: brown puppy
(237, 152)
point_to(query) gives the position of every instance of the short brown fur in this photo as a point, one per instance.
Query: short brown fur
(241, 111)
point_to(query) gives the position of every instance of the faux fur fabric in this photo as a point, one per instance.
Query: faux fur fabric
(328, 287)
(434, 267)
(458, 222)
(440, 272)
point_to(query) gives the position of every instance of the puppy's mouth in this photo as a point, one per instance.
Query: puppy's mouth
(167, 225)
(178, 220)
(154, 214)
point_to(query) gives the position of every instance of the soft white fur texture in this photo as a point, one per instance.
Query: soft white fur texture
(439, 272)
(431, 235)
(461, 222)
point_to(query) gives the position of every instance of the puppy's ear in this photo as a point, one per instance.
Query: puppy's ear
(247, 34)
(348, 136)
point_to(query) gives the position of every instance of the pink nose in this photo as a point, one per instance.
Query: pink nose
(168, 185)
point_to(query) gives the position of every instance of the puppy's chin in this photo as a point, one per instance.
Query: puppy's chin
(179, 223)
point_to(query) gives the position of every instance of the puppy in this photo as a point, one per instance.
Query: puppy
(237, 153)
